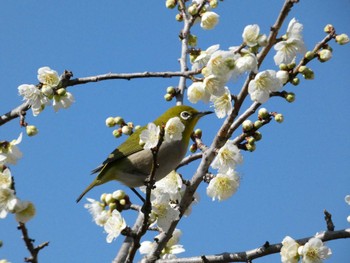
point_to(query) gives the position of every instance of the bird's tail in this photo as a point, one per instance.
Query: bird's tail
(92, 185)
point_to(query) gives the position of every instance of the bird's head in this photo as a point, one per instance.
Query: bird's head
(187, 115)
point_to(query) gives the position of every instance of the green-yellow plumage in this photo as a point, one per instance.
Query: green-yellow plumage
(130, 164)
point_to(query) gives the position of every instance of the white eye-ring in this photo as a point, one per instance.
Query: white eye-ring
(185, 115)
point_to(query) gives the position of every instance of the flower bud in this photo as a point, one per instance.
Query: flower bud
(295, 81)
(328, 28)
(247, 125)
(122, 202)
(193, 148)
(309, 74)
(130, 124)
(251, 140)
(192, 40)
(279, 118)
(109, 199)
(250, 147)
(31, 130)
(137, 127)
(290, 97)
(198, 133)
(103, 198)
(209, 20)
(192, 10)
(179, 17)
(283, 66)
(119, 120)
(110, 122)
(61, 92)
(262, 40)
(127, 130)
(342, 39)
(258, 124)
(324, 55)
(118, 195)
(292, 65)
(170, 4)
(263, 113)
(213, 3)
(257, 136)
(302, 69)
(117, 133)
(47, 90)
(168, 97)
(309, 55)
(171, 90)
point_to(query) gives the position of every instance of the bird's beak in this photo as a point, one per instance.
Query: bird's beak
(203, 113)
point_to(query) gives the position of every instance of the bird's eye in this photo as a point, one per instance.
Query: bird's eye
(185, 115)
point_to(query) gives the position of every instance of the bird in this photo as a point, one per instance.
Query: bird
(131, 164)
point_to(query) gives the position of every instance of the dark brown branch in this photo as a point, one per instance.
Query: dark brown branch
(34, 251)
(248, 256)
(329, 222)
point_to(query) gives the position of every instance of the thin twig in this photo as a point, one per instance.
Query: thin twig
(29, 242)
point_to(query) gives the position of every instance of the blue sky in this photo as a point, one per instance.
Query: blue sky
(299, 169)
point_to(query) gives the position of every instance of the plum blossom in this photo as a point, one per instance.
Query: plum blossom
(150, 136)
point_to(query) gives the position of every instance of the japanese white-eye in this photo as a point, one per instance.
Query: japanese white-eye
(130, 163)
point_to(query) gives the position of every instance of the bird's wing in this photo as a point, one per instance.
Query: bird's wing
(123, 150)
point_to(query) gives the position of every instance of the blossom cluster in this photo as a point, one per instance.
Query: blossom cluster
(226, 182)
(9, 202)
(314, 251)
(219, 67)
(164, 200)
(106, 213)
(41, 95)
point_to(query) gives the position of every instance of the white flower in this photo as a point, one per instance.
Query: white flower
(48, 76)
(164, 211)
(221, 64)
(263, 83)
(314, 251)
(96, 209)
(204, 57)
(223, 186)
(222, 104)
(294, 29)
(114, 225)
(170, 250)
(150, 136)
(173, 129)
(197, 92)
(171, 184)
(146, 247)
(5, 178)
(228, 157)
(9, 152)
(289, 250)
(250, 35)
(34, 96)
(214, 85)
(287, 50)
(25, 211)
(8, 201)
(246, 63)
(209, 20)
(294, 44)
(283, 76)
(63, 101)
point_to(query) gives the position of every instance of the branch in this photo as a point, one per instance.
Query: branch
(259, 252)
(129, 76)
(34, 251)
(18, 111)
